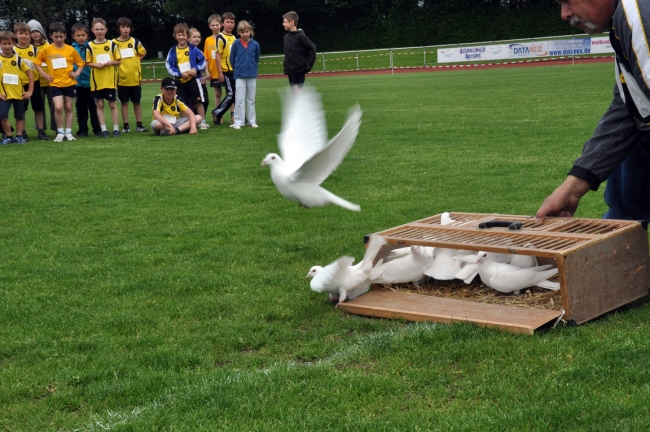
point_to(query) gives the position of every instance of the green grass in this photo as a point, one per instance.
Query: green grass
(159, 283)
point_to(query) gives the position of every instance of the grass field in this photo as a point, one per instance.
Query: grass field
(159, 283)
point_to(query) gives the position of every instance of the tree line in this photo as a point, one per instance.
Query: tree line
(334, 25)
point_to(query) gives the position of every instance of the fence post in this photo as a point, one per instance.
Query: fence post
(357, 60)
(424, 49)
(391, 58)
(153, 68)
(323, 54)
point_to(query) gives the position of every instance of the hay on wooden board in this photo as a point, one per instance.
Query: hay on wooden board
(533, 297)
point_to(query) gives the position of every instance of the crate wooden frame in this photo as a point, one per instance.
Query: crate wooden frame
(602, 264)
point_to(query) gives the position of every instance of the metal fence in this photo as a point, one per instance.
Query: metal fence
(358, 60)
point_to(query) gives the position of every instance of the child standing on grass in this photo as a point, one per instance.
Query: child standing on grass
(195, 39)
(85, 104)
(129, 77)
(185, 62)
(170, 115)
(27, 52)
(210, 53)
(39, 40)
(103, 57)
(244, 57)
(60, 58)
(11, 89)
(224, 68)
(299, 52)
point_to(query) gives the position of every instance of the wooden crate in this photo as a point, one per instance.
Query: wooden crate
(602, 265)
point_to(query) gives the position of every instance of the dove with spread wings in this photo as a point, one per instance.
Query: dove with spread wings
(307, 157)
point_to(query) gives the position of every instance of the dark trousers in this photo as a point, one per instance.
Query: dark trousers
(85, 105)
(628, 188)
(229, 83)
(45, 92)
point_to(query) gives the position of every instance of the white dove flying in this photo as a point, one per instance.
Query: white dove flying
(307, 157)
(343, 280)
(406, 268)
(508, 278)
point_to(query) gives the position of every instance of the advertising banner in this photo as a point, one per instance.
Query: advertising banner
(601, 45)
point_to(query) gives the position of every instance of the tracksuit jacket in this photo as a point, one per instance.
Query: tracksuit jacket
(627, 120)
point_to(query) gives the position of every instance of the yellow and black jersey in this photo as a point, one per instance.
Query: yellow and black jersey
(106, 77)
(11, 68)
(41, 80)
(174, 109)
(28, 54)
(129, 72)
(184, 64)
(224, 43)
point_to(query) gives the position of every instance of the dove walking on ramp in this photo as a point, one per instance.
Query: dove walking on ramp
(343, 280)
(307, 157)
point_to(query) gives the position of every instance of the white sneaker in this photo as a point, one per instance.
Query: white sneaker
(254, 125)
(69, 137)
(59, 137)
(204, 126)
(234, 126)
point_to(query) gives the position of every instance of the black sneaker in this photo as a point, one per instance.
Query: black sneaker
(104, 134)
(43, 136)
(82, 134)
(25, 137)
(215, 119)
(126, 130)
(98, 134)
(141, 129)
(116, 134)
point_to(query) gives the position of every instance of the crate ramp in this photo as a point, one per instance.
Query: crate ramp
(602, 265)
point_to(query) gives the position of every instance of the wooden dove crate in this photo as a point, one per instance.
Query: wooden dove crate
(602, 265)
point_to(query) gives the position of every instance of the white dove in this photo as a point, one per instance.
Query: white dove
(343, 280)
(307, 157)
(508, 278)
(444, 266)
(406, 268)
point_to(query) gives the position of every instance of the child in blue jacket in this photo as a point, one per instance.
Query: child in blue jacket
(244, 57)
(85, 102)
(185, 63)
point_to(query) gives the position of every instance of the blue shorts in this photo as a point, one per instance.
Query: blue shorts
(70, 92)
(19, 108)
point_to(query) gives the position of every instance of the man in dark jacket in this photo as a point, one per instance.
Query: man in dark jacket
(299, 51)
(619, 150)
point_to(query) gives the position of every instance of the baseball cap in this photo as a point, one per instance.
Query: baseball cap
(168, 83)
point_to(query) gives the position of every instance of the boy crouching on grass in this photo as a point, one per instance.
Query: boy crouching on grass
(171, 115)
(11, 88)
(60, 58)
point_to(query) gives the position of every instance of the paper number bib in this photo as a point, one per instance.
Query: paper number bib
(127, 53)
(170, 118)
(59, 63)
(10, 79)
(214, 55)
(184, 67)
(103, 58)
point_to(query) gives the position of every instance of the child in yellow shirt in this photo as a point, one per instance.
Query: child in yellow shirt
(27, 52)
(103, 56)
(210, 54)
(129, 76)
(11, 89)
(60, 59)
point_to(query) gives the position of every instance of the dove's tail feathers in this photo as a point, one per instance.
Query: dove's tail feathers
(375, 243)
(542, 267)
(358, 291)
(543, 275)
(333, 199)
(376, 271)
(553, 286)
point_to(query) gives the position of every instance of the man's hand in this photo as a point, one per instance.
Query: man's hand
(564, 200)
